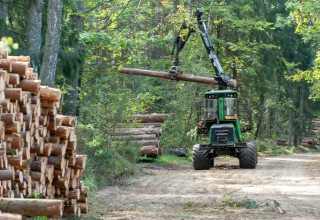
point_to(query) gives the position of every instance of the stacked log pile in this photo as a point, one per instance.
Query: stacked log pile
(282, 142)
(37, 146)
(147, 131)
(316, 128)
(310, 142)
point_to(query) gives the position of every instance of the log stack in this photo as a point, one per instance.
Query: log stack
(147, 131)
(310, 142)
(37, 145)
(316, 128)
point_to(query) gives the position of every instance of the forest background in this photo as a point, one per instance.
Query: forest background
(270, 46)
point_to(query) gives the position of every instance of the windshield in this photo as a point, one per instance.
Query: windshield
(211, 109)
(230, 107)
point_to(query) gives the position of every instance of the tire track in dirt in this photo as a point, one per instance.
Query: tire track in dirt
(174, 192)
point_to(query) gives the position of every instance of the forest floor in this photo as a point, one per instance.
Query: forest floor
(291, 182)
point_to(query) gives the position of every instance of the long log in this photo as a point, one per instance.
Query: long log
(137, 131)
(32, 207)
(9, 216)
(136, 137)
(165, 75)
(149, 117)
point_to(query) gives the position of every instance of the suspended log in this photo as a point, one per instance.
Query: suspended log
(32, 207)
(165, 75)
(149, 117)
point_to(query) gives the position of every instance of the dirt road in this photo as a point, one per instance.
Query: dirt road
(224, 192)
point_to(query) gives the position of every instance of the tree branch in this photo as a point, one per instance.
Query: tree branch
(110, 21)
(96, 6)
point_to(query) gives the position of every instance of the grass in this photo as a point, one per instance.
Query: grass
(168, 159)
(270, 148)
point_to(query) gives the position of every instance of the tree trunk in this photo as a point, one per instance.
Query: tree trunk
(34, 32)
(3, 18)
(296, 126)
(71, 107)
(51, 47)
(290, 127)
(3, 10)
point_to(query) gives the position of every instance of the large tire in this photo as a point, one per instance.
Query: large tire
(248, 156)
(201, 159)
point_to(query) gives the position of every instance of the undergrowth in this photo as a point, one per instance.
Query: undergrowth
(269, 147)
(167, 159)
(107, 163)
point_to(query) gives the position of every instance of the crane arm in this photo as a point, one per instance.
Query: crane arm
(179, 43)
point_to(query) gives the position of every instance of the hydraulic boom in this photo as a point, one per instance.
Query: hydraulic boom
(180, 42)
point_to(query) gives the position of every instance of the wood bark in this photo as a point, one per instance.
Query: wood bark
(34, 31)
(71, 107)
(50, 94)
(165, 75)
(137, 131)
(9, 216)
(3, 12)
(7, 175)
(149, 151)
(32, 86)
(32, 207)
(145, 118)
(83, 207)
(20, 68)
(52, 42)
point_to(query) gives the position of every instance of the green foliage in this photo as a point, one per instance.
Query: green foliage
(169, 159)
(107, 162)
(276, 68)
(306, 17)
(6, 43)
(226, 199)
(248, 203)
